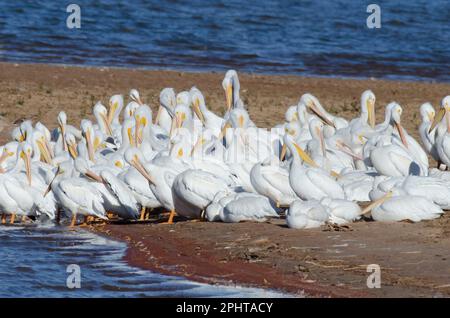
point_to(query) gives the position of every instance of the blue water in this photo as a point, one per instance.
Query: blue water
(34, 261)
(311, 37)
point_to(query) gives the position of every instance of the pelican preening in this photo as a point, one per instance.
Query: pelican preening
(186, 160)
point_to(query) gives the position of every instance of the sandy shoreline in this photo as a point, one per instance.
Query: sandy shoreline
(414, 258)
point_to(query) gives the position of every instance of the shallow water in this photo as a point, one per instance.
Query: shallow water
(34, 261)
(311, 37)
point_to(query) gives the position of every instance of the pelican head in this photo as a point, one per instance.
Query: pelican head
(44, 130)
(26, 129)
(231, 87)
(134, 95)
(88, 133)
(443, 111)
(368, 106)
(182, 114)
(115, 107)
(316, 130)
(25, 153)
(128, 126)
(167, 98)
(82, 166)
(101, 113)
(143, 117)
(291, 114)
(135, 158)
(9, 150)
(41, 142)
(130, 109)
(239, 118)
(396, 114)
(71, 145)
(427, 112)
(62, 118)
(292, 129)
(297, 151)
(198, 102)
(184, 98)
(312, 103)
(16, 134)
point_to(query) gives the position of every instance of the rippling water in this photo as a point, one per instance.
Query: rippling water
(311, 37)
(34, 260)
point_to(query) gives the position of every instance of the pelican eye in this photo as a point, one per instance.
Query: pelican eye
(180, 152)
(118, 164)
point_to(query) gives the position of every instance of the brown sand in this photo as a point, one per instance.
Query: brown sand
(414, 258)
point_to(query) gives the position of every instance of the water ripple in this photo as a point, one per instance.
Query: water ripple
(34, 261)
(326, 38)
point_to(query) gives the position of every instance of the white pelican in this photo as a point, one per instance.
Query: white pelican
(77, 196)
(231, 87)
(397, 153)
(310, 182)
(115, 108)
(20, 192)
(167, 101)
(427, 113)
(443, 131)
(306, 214)
(271, 180)
(101, 115)
(207, 117)
(193, 190)
(232, 207)
(341, 211)
(433, 188)
(117, 198)
(313, 104)
(160, 177)
(397, 206)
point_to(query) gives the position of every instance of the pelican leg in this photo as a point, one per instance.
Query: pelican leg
(58, 217)
(13, 218)
(3, 218)
(74, 220)
(147, 215)
(85, 220)
(142, 217)
(170, 221)
(24, 218)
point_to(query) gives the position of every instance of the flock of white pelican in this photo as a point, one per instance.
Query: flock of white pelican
(314, 168)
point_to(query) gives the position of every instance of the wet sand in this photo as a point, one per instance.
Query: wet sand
(414, 258)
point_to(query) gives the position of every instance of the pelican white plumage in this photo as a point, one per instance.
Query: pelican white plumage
(442, 121)
(233, 207)
(313, 104)
(20, 193)
(193, 190)
(427, 113)
(306, 214)
(271, 180)
(398, 206)
(77, 196)
(310, 183)
(117, 197)
(167, 101)
(211, 121)
(341, 211)
(160, 174)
